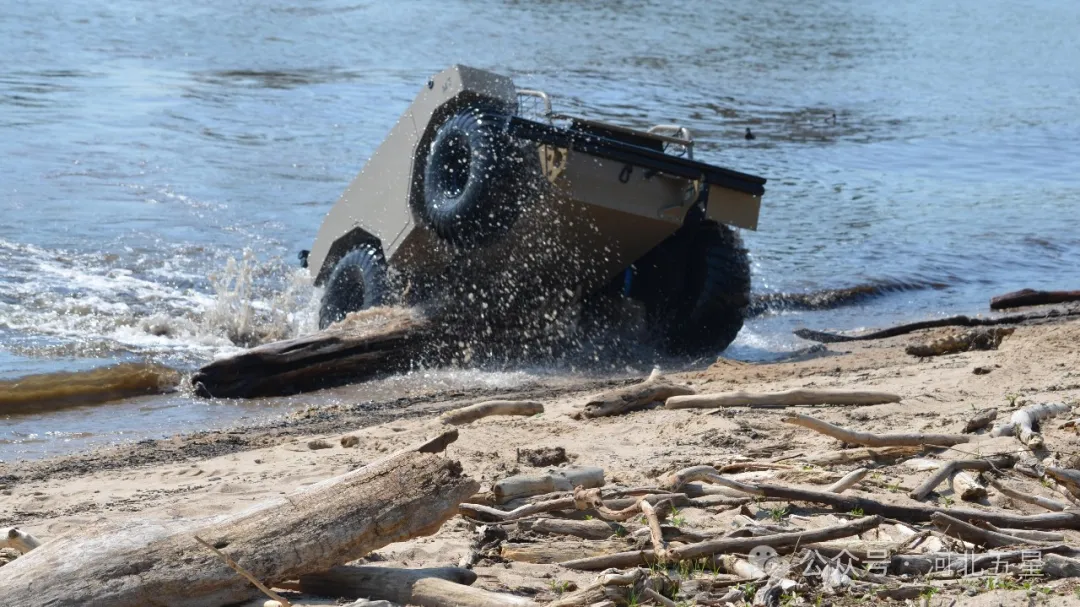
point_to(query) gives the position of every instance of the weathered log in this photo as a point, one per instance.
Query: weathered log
(948, 468)
(628, 398)
(979, 338)
(875, 440)
(610, 589)
(436, 587)
(585, 499)
(676, 480)
(1045, 502)
(968, 487)
(557, 479)
(952, 321)
(1067, 477)
(466, 415)
(741, 567)
(848, 481)
(559, 550)
(918, 514)
(1031, 297)
(405, 495)
(18, 539)
(51, 391)
(1027, 534)
(1023, 423)
(487, 513)
(1057, 566)
(976, 535)
(593, 529)
(728, 545)
(981, 420)
(656, 535)
(959, 562)
(365, 344)
(788, 398)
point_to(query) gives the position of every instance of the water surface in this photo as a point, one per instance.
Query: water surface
(163, 163)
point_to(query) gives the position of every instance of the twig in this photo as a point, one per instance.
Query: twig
(1045, 502)
(952, 321)
(728, 545)
(982, 537)
(948, 468)
(798, 396)
(849, 479)
(237, 568)
(660, 547)
(875, 440)
(659, 598)
(708, 474)
(477, 511)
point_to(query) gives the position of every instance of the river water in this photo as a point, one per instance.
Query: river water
(162, 163)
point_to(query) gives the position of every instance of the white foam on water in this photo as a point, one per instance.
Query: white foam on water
(90, 304)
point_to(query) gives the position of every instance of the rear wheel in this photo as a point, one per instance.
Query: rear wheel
(695, 287)
(358, 281)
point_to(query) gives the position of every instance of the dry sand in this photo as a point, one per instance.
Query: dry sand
(221, 472)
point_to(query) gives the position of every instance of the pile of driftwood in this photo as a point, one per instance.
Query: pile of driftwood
(781, 540)
(795, 543)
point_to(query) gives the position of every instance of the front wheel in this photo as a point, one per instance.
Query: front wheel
(358, 281)
(696, 288)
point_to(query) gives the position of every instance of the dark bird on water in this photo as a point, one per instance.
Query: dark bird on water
(748, 136)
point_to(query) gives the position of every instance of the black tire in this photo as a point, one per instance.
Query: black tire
(358, 281)
(475, 179)
(696, 288)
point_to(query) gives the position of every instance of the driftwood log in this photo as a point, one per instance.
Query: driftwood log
(1030, 498)
(980, 420)
(436, 587)
(466, 415)
(1031, 297)
(1057, 566)
(405, 495)
(365, 344)
(1024, 423)
(557, 551)
(50, 391)
(949, 468)
(876, 440)
(979, 338)
(558, 479)
(915, 513)
(860, 454)
(628, 398)
(952, 321)
(18, 539)
(592, 529)
(967, 486)
(976, 535)
(727, 545)
(788, 398)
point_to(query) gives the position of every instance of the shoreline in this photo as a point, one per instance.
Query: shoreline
(223, 471)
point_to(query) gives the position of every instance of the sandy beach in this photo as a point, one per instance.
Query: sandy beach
(222, 472)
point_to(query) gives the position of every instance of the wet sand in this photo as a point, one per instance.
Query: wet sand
(225, 471)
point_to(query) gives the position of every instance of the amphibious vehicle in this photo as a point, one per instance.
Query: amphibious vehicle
(485, 202)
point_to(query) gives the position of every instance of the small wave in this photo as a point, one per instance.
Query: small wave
(56, 302)
(828, 299)
(50, 391)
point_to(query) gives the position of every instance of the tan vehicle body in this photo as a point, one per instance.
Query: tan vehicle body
(591, 218)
